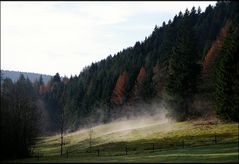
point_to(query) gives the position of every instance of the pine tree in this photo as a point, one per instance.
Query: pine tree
(183, 69)
(226, 80)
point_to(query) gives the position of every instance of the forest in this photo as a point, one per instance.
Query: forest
(189, 63)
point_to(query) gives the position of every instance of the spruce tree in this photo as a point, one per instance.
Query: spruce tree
(226, 80)
(183, 69)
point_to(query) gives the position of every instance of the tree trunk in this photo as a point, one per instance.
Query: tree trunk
(62, 130)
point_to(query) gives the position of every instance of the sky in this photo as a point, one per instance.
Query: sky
(65, 36)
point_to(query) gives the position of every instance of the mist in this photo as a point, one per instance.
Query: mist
(143, 116)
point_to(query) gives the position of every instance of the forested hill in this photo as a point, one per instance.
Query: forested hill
(183, 62)
(188, 66)
(189, 63)
(14, 75)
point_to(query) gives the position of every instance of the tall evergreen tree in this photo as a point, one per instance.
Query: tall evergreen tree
(183, 68)
(226, 79)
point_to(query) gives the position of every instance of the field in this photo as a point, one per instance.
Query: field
(143, 140)
(220, 153)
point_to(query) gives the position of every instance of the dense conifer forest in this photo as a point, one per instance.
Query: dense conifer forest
(189, 63)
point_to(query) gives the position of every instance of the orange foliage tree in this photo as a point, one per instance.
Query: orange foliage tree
(215, 48)
(118, 94)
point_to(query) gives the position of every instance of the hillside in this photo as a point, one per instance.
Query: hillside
(177, 88)
(14, 75)
(176, 64)
(198, 139)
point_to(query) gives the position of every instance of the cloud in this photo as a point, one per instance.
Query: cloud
(64, 37)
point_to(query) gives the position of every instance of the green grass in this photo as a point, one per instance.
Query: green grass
(112, 138)
(214, 153)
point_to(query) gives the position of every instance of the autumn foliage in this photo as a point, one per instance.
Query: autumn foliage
(215, 48)
(118, 94)
(138, 86)
(43, 89)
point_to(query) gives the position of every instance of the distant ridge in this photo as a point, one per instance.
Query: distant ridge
(14, 75)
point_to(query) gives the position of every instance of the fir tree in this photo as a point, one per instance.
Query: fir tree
(183, 69)
(226, 80)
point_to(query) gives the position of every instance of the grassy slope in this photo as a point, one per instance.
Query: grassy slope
(214, 153)
(112, 138)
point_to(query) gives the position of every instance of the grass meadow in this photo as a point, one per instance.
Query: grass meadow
(159, 141)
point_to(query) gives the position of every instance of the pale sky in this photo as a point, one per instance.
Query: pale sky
(49, 37)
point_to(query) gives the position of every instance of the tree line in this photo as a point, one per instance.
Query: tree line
(178, 49)
(166, 66)
(19, 118)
